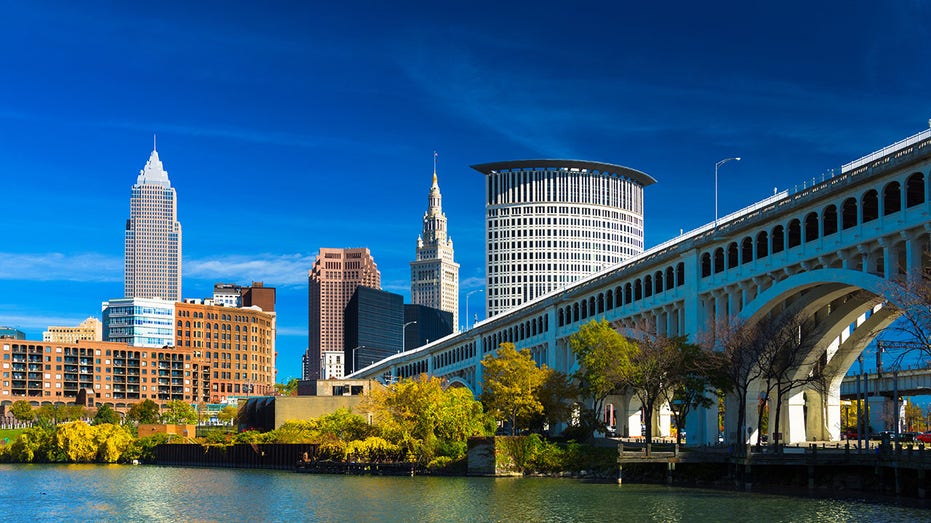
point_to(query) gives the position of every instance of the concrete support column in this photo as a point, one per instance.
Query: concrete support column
(662, 416)
(880, 413)
(913, 253)
(633, 417)
(793, 417)
(701, 425)
(832, 412)
(731, 430)
(889, 260)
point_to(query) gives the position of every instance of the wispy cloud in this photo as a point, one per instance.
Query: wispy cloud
(292, 331)
(474, 282)
(273, 269)
(56, 266)
(32, 323)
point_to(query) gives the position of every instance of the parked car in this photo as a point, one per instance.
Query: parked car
(923, 437)
(849, 434)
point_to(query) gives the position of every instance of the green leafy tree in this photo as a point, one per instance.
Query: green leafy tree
(22, 411)
(558, 395)
(652, 373)
(181, 412)
(604, 359)
(227, 414)
(33, 445)
(106, 414)
(511, 381)
(418, 415)
(699, 376)
(145, 412)
(59, 413)
(287, 389)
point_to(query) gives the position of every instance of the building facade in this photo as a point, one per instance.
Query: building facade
(139, 322)
(434, 273)
(152, 247)
(335, 275)
(10, 332)
(374, 320)
(117, 374)
(425, 324)
(90, 329)
(233, 295)
(549, 223)
(234, 347)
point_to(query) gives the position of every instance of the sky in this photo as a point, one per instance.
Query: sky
(290, 126)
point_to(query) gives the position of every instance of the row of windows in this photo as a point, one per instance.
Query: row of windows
(831, 219)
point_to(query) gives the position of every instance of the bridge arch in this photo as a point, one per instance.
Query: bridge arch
(458, 382)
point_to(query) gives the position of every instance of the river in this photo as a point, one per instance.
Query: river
(150, 493)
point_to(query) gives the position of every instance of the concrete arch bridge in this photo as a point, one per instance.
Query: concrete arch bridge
(827, 251)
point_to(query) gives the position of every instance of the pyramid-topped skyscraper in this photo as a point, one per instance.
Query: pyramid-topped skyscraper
(152, 261)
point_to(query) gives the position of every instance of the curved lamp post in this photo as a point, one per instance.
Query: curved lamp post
(470, 293)
(403, 332)
(716, 165)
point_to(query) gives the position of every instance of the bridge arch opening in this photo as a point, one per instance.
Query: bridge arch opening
(829, 220)
(892, 198)
(870, 205)
(915, 190)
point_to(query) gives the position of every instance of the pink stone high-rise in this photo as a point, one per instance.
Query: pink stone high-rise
(334, 277)
(152, 261)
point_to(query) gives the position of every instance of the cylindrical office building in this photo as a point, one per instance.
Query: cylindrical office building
(549, 223)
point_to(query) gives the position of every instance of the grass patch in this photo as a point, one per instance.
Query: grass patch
(8, 435)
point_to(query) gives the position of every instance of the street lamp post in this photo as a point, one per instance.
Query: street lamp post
(403, 332)
(716, 165)
(470, 293)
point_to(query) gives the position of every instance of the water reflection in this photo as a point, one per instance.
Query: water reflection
(144, 493)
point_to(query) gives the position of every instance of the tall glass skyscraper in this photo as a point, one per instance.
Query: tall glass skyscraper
(152, 261)
(434, 274)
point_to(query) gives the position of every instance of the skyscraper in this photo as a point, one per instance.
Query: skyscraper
(434, 274)
(549, 223)
(152, 261)
(334, 277)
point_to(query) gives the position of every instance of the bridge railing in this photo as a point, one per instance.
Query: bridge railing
(889, 149)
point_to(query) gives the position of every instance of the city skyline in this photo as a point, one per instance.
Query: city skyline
(285, 131)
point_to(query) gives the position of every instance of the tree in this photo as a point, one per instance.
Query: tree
(145, 412)
(510, 383)
(76, 440)
(22, 411)
(911, 296)
(59, 413)
(697, 375)
(179, 412)
(106, 414)
(287, 389)
(604, 357)
(653, 373)
(786, 361)
(418, 415)
(227, 414)
(738, 345)
(557, 395)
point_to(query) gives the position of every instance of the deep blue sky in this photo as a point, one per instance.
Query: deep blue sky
(292, 126)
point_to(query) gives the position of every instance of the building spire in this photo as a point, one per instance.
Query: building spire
(434, 167)
(154, 142)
